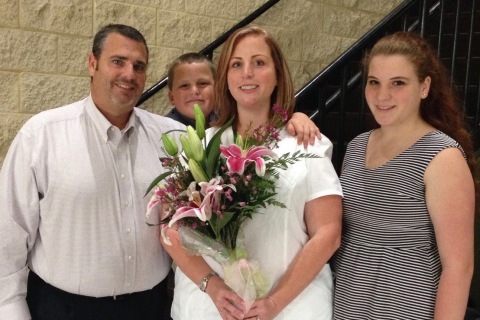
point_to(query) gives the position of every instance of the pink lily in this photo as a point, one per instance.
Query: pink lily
(195, 208)
(154, 207)
(212, 191)
(238, 159)
(215, 184)
(202, 209)
(198, 208)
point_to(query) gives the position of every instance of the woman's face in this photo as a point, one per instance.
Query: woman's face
(251, 73)
(393, 91)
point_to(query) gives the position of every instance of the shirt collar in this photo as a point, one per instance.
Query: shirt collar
(102, 124)
(181, 118)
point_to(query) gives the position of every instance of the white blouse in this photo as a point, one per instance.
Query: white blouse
(274, 236)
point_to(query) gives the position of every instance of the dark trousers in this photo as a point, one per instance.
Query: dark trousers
(50, 303)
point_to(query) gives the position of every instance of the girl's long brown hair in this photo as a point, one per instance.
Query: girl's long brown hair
(441, 107)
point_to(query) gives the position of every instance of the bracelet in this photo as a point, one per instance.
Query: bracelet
(203, 284)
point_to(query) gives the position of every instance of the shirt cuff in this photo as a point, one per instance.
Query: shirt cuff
(17, 310)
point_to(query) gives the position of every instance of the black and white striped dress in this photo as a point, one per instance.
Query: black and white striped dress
(388, 266)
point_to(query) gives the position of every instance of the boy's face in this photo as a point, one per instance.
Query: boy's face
(192, 83)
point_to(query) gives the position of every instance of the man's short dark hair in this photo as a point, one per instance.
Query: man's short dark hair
(124, 30)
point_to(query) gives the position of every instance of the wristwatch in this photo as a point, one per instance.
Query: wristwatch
(203, 284)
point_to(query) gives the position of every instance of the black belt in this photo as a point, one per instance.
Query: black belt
(36, 280)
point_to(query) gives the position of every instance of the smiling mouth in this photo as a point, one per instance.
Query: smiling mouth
(124, 86)
(250, 87)
(385, 107)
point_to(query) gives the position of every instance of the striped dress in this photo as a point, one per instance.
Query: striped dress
(388, 266)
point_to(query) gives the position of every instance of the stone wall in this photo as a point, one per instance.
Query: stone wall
(44, 43)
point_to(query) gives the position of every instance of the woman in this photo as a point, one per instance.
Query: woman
(191, 80)
(292, 245)
(407, 245)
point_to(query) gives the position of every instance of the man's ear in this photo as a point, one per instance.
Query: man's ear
(92, 64)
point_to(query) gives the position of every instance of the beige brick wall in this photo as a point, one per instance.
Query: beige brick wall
(44, 43)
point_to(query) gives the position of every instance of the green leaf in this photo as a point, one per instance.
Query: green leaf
(175, 130)
(227, 216)
(157, 180)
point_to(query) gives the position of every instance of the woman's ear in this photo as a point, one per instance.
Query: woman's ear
(426, 87)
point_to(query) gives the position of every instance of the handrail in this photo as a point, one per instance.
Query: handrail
(339, 86)
(347, 55)
(208, 50)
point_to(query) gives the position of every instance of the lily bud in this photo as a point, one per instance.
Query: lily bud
(186, 146)
(195, 144)
(199, 121)
(197, 171)
(239, 141)
(170, 145)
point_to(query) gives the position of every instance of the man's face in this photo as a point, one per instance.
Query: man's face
(118, 75)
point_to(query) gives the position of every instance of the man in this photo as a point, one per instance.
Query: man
(72, 205)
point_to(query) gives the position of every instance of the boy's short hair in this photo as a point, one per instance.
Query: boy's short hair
(189, 57)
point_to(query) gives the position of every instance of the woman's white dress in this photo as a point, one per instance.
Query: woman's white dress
(274, 236)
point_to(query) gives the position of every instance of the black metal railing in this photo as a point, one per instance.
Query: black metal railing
(208, 50)
(335, 99)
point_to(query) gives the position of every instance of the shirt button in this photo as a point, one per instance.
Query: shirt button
(122, 176)
(129, 230)
(127, 284)
(130, 257)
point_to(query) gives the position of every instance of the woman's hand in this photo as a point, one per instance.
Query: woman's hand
(228, 303)
(303, 128)
(262, 309)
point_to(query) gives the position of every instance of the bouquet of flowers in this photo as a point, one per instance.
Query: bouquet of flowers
(209, 190)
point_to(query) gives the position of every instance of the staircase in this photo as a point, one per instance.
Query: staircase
(335, 100)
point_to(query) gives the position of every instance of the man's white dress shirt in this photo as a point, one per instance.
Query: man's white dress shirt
(72, 205)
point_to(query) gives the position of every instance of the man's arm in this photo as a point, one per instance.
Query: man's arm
(19, 216)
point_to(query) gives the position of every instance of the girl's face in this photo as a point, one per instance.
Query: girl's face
(192, 83)
(393, 91)
(251, 74)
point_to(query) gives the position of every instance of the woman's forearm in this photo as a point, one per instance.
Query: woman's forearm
(194, 267)
(453, 291)
(304, 268)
